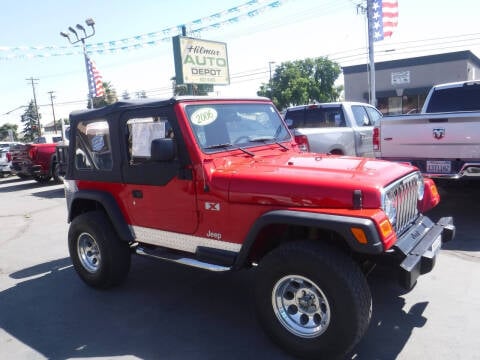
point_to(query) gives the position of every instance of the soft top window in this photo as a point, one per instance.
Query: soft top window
(92, 146)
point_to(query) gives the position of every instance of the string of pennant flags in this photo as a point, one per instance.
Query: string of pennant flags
(218, 20)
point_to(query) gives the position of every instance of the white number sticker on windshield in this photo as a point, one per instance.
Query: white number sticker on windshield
(204, 116)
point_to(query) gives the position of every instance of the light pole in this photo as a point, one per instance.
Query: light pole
(90, 23)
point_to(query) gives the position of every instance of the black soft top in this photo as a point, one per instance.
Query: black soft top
(120, 106)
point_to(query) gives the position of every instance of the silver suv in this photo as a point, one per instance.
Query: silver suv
(341, 128)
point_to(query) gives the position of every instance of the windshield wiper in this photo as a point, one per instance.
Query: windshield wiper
(227, 145)
(267, 138)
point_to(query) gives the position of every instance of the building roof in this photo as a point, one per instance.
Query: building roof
(422, 60)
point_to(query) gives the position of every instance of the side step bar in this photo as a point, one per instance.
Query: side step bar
(164, 254)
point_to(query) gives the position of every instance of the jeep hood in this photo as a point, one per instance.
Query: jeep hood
(305, 180)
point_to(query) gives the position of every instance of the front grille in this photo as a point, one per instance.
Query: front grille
(403, 194)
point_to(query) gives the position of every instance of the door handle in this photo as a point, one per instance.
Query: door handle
(137, 194)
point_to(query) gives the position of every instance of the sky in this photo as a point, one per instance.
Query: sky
(31, 45)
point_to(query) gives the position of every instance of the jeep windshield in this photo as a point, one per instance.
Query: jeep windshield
(220, 127)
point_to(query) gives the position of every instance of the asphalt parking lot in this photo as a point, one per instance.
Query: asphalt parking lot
(165, 311)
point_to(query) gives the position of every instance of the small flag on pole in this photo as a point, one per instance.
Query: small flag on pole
(95, 83)
(384, 18)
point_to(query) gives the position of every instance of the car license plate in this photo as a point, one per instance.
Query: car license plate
(439, 166)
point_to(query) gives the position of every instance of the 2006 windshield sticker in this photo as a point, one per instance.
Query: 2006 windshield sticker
(204, 116)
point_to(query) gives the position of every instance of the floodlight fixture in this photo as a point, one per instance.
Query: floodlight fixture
(64, 34)
(73, 31)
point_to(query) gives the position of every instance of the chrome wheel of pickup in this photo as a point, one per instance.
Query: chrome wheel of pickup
(88, 253)
(301, 306)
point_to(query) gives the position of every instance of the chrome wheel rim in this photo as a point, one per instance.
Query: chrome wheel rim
(301, 306)
(88, 253)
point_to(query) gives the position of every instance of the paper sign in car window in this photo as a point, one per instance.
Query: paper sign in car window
(142, 135)
(204, 116)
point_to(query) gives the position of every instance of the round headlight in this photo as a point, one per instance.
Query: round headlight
(390, 210)
(420, 187)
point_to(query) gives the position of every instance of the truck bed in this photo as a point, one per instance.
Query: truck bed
(439, 144)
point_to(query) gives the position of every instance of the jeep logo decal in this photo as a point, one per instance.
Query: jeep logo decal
(438, 133)
(212, 206)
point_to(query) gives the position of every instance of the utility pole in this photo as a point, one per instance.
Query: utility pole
(32, 81)
(270, 63)
(53, 110)
(371, 53)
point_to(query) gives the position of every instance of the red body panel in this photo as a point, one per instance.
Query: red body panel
(241, 188)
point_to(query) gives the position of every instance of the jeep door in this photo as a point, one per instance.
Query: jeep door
(158, 194)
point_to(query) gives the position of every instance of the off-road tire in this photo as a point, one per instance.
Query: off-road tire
(100, 258)
(339, 293)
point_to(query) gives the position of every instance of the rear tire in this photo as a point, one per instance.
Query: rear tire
(312, 300)
(99, 257)
(57, 178)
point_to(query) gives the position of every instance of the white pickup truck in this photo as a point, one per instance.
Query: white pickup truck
(443, 141)
(341, 128)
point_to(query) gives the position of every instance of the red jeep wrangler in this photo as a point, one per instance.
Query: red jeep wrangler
(220, 184)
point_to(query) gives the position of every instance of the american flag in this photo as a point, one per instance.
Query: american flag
(95, 83)
(384, 15)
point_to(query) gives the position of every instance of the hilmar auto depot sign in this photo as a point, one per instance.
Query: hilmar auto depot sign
(200, 61)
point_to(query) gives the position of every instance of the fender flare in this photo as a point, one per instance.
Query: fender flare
(337, 223)
(111, 208)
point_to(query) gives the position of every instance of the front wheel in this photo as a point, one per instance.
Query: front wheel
(312, 300)
(99, 257)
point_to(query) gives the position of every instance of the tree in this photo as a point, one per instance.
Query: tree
(8, 129)
(110, 96)
(302, 82)
(30, 122)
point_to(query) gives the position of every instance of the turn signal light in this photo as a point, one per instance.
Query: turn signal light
(359, 235)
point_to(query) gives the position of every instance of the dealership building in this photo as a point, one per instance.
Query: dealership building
(402, 85)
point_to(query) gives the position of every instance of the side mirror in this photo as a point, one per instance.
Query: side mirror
(162, 149)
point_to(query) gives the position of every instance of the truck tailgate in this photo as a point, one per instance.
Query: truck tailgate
(447, 135)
